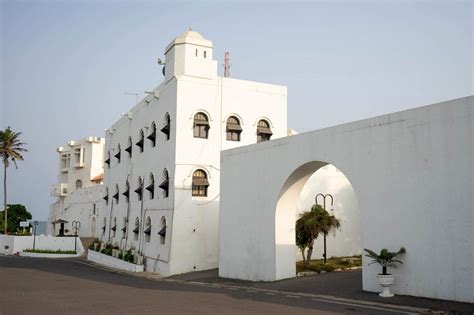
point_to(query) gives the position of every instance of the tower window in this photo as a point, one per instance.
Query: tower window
(78, 184)
(264, 133)
(201, 126)
(165, 185)
(196, 52)
(141, 140)
(152, 135)
(167, 127)
(205, 54)
(233, 129)
(200, 183)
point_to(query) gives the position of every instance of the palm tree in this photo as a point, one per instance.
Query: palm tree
(11, 148)
(312, 223)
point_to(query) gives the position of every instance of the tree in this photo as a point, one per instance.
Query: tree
(16, 214)
(11, 149)
(312, 223)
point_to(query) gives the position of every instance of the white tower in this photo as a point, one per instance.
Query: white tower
(191, 55)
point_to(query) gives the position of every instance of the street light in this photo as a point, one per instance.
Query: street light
(324, 206)
(35, 224)
(76, 225)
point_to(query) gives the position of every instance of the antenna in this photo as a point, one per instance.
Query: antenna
(136, 95)
(226, 64)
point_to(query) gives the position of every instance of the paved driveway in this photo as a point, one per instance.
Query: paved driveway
(74, 286)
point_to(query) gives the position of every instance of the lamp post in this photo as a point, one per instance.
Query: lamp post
(324, 207)
(76, 225)
(35, 224)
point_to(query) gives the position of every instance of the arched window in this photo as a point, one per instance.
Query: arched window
(116, 195)
(104, 226)
(141, 140)
(106, 197)
(78, 184)
(162, 232)
(124, 227)
(107, 161)
(139, 189)
(126, 193)
(167, 127)
(136, 229)
(151, 186)
(152, 135)
(129, 147)
(264, 133)
(233, 129)
(200, 183)
(117, 155)
(114, 227)
(147, 230)
(165, 184)
(201, 126)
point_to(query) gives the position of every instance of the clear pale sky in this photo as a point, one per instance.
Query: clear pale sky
(66, 65)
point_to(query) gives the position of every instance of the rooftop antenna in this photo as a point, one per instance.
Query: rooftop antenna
(136, 95)
(227, 64)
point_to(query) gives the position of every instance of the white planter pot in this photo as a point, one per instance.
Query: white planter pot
(139, 259)
(385, 282)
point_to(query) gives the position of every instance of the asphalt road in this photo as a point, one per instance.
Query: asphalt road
(75, 286)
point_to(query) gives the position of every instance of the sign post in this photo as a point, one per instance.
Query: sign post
(35, 224)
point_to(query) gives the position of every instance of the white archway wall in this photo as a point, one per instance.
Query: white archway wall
(347, 240)
(412, 173)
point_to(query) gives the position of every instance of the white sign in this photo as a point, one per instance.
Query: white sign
(24, 224)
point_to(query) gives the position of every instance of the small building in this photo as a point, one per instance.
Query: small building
(78, 191)
(162, 158)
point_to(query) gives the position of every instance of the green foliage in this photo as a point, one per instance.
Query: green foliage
(11, 149)
(120, 256)
(91, 246)
(49, 251)
(16, 214)
(310, 225)
(128, 256)
(385, 258)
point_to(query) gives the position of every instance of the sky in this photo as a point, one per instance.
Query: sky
(65, 66)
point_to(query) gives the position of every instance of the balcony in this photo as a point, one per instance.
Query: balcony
(59, 190)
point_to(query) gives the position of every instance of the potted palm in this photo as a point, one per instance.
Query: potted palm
(385, 259)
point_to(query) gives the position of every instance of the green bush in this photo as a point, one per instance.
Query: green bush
(91, 246)
(120, 256)
(128, 256)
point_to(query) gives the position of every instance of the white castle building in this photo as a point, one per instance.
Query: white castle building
(78, 191)
(162, 158)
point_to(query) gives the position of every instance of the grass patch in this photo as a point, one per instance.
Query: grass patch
(49, 251)
(332, 264)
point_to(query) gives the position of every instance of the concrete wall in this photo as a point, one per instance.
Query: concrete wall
(19, 243)
(412, 173)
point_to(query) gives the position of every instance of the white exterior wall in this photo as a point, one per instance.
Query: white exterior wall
(412, 172)
(17, 244)
(191, 86)
(77, 204)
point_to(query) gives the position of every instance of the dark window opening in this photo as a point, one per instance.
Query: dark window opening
(152, 135)
(201, 126)
(264, 133)
(233, 129)
(200, 184)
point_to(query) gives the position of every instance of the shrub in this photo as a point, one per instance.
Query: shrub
(120, 256)
(91, 246)
(128, 256)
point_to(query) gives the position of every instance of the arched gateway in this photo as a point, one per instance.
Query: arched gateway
(412, 172)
